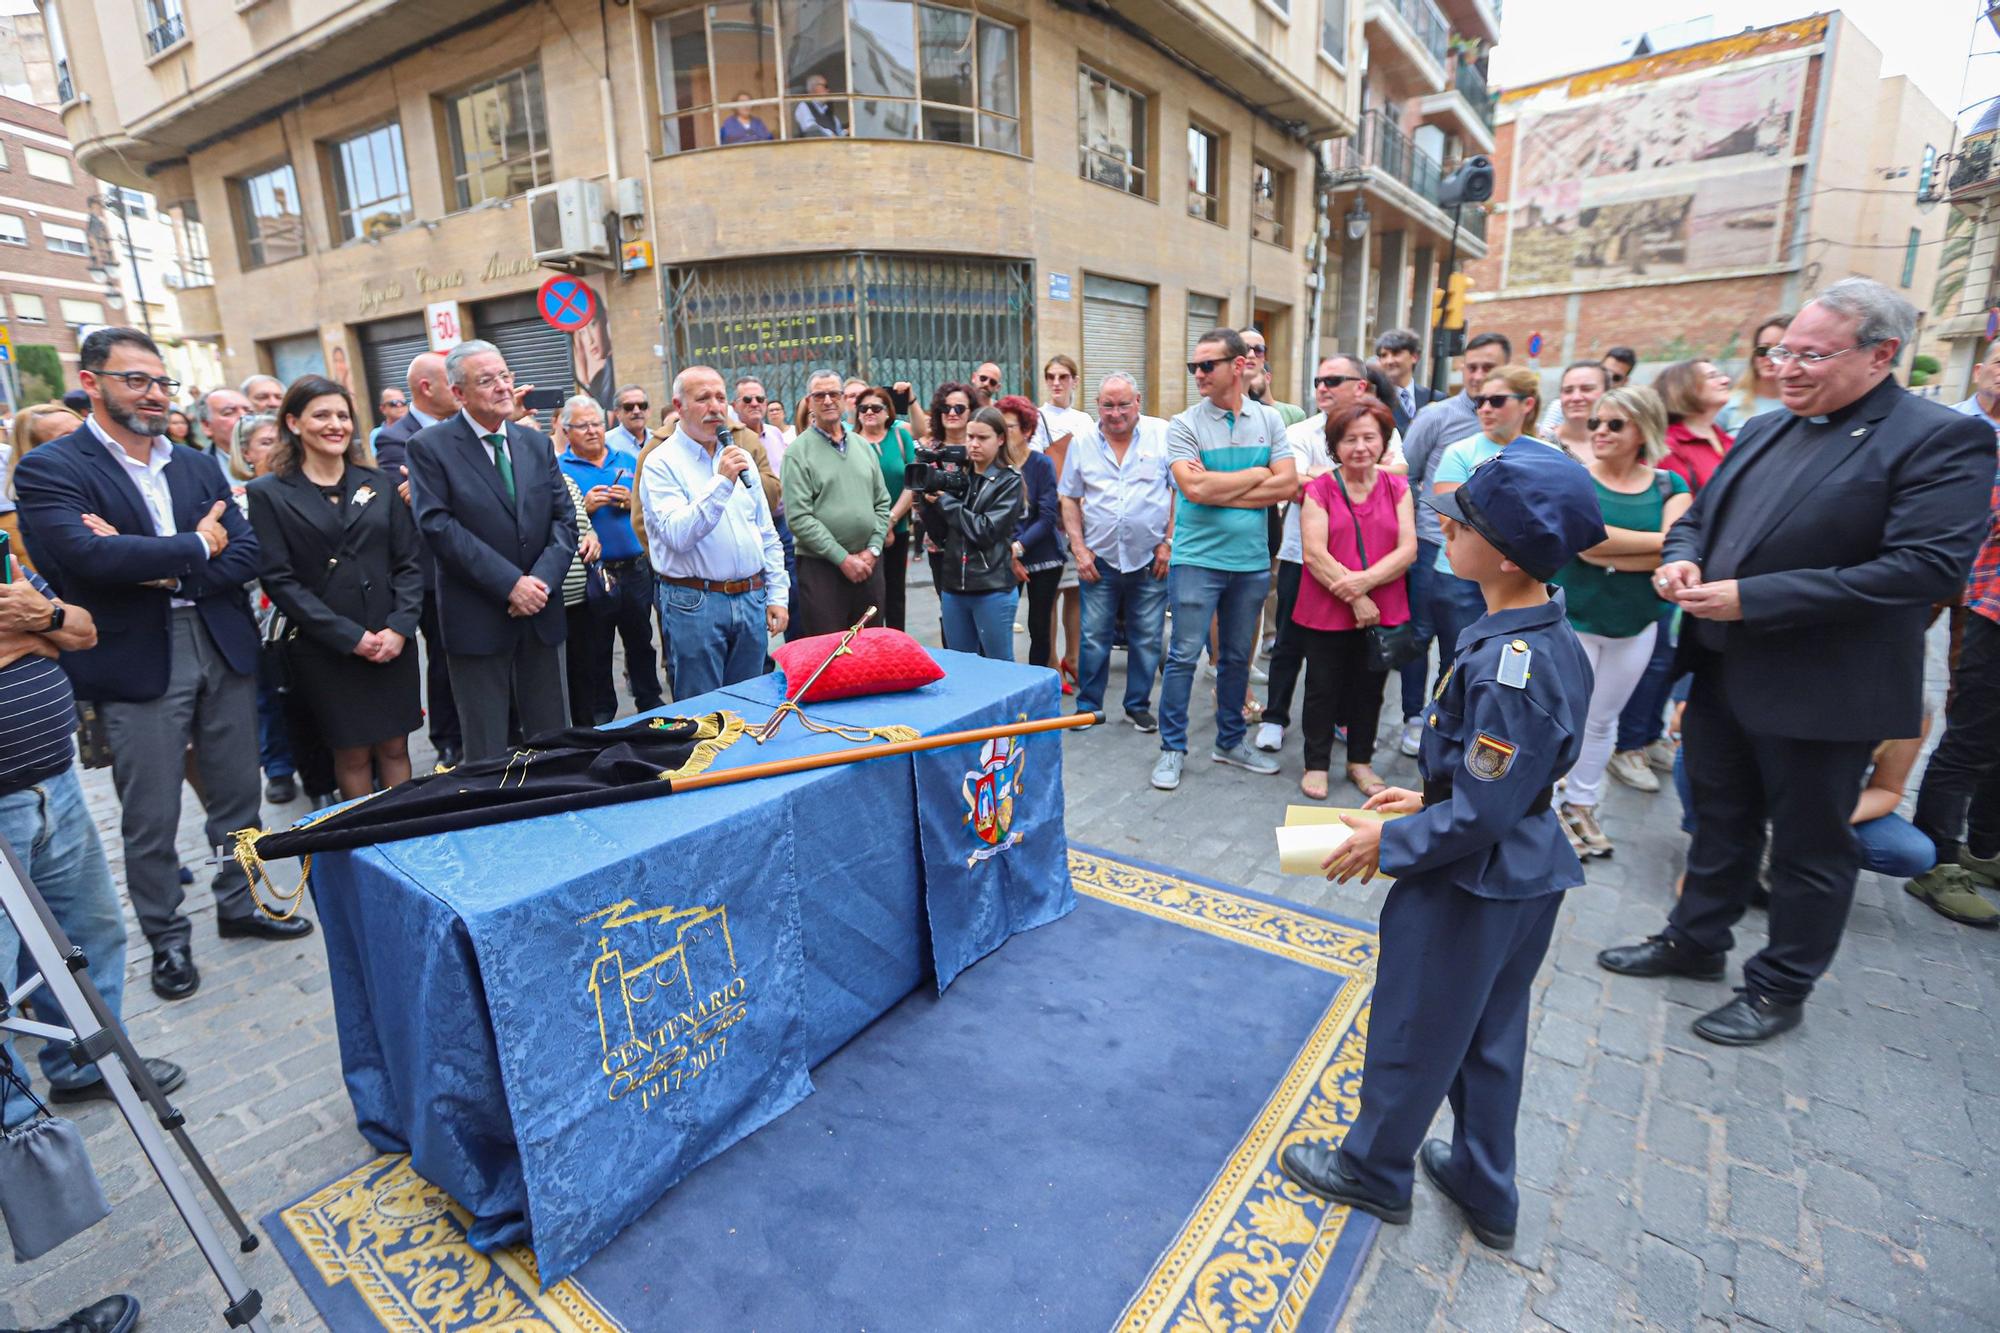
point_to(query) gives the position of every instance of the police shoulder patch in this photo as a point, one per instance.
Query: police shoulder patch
(1488, 757)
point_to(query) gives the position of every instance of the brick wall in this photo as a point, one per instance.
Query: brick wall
(33, 269)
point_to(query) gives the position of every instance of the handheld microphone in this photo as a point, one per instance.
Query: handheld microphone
(725, 438)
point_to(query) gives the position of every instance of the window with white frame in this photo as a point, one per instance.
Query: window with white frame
(65, 239)
(1111, 132)
(1204, 174)
(371, 189)
(13, 230)
(47, 166)
(81, 312)
(274, 229)
(1333, 29)
(164, 25)
(748, 71)
(28, 308)
(1270, 201)
(128, 202)
(499, 138)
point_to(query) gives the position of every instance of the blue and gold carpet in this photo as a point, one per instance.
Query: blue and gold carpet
(1082, 1133)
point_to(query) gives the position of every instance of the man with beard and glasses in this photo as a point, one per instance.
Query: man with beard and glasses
(144, 534)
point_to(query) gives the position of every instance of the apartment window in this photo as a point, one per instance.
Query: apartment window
(1111, 132)
(65, 240)
(126, 202)
(28, 308)
(371, 189)
(747, 71)
(274, 229)
(13, 231)
(164, 25)
(1270, 201)
(499, 138)
(46, 165)
(81, 312)
(1910, 256)
(1333, 29)
(1204, 174)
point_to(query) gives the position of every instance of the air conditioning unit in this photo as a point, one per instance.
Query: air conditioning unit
(566, 222)
(173, 280)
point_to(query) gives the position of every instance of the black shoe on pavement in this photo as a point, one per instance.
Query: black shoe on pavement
(1748, 1020)
(165, 1073)
(175, 977)
(1435, 1158)
(281, 791)
(257, 926)
(1661, 957)
(1318, 1169)
(1143, 719)
(450, 756)
(113, 1314)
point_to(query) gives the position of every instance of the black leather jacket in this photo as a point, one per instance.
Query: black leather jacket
(977, 531)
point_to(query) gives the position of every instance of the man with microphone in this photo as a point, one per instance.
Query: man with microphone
(722, 588)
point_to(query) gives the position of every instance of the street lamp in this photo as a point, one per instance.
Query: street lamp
(1358, 219)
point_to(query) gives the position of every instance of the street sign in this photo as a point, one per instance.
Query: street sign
(443, 325)
(1059, 286)
(6, 344)
(1534, 344)
(566, 303)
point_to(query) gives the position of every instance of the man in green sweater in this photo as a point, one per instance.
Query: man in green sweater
(838, 507)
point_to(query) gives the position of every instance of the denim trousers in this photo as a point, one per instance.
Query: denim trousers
(1643, 719)
(50, 830)
(1455, 604)
(1138, 600)
(1419, 580)
(274, 746)
(980, 621)
(1235, 599)
(713, 638)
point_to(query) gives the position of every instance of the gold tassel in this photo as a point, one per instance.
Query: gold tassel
(253, 867)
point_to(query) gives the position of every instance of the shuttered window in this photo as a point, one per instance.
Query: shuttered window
(1114, 331)
(536, 353)
(387, 348)
(1203, 313)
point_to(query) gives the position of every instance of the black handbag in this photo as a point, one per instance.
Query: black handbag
(1389, 646)
(48, 1191)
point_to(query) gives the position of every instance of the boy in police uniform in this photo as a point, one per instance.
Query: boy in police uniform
(1480, 862)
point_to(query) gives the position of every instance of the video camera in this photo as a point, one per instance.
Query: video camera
(946, 468)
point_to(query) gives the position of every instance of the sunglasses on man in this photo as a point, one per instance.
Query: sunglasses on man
(639, 406)
(1335, 381)
(1206, 367)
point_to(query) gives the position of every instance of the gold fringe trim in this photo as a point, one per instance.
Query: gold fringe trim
(714, 733)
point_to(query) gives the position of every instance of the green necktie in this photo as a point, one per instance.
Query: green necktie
(498, 440)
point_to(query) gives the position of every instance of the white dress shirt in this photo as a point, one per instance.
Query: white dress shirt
(1126, 506)
(480, 432)
(701, 524)
(151, 479)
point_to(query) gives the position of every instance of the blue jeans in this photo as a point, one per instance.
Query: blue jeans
(1419, 577)
(713, 638)
(1200, 594)
(1643, 720)
(984, 620)
(1455, 604)
(1890, 845)
(50, 829)
(1141, 600)
(274, 745)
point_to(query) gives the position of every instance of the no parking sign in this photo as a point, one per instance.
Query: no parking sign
(566, 303)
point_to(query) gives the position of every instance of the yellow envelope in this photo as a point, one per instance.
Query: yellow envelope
(1312, 832)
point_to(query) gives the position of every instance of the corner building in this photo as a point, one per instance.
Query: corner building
(972, 181)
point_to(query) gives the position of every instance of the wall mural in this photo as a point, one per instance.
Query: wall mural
(1665, 181)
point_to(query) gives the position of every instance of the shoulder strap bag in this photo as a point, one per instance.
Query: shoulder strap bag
(1389, 646)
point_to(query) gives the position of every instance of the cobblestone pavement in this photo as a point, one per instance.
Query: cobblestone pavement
(1839, 1179)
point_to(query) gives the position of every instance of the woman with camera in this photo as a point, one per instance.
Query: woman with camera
(973, 528)
(951, 412)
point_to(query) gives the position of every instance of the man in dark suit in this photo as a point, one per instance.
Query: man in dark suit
(1396, 352)
(429, 402)
(1807, 569)
(144, 534)
(497, 521)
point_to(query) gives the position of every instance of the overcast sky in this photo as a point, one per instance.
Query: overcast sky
(1926, 39)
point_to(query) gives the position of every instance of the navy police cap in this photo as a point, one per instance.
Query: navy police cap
(1535, 503)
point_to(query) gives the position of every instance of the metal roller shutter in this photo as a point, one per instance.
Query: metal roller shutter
(1114, 332)
(536, 353)
(1203, 313)
(387, 348)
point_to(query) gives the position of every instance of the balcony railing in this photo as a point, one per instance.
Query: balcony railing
(1379, 145)
(165, 33)
(65, 90)
(1472, 87)
(1427, 22)
(1974, 166)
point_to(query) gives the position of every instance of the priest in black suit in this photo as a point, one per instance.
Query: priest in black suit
(497, 521)
(1807, 569)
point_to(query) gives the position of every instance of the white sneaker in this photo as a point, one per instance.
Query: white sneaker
(1660, 755)
(1413, 737)
(1630, 767)
(1258, 676)
(1270, 737)
(1167, 771)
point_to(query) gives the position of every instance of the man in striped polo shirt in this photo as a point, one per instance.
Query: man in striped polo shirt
(1230, 463)
(44, 819)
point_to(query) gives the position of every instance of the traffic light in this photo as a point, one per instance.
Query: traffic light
(1454, 301)
(1437, 307)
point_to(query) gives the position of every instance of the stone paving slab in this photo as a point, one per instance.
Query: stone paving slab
(1840, 1179)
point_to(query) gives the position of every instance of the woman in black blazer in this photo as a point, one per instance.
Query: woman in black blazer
(339, 558)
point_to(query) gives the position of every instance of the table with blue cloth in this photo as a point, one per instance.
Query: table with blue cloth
(560, 1017)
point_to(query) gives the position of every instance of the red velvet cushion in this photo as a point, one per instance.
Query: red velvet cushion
(880, 661)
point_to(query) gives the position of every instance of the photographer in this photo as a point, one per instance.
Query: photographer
(973, 520)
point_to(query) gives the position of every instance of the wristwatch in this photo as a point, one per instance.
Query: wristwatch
(57, 612)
